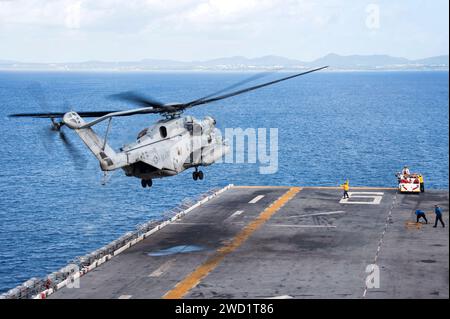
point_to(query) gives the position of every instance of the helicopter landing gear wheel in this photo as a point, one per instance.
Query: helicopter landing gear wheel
(146, 182)
(197, 174)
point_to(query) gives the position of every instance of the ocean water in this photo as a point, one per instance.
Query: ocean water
(363, 126)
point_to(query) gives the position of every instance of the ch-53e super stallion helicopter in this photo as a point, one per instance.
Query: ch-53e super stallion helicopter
(170, 146)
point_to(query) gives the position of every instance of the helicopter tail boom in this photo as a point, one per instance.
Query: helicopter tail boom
(108, 158)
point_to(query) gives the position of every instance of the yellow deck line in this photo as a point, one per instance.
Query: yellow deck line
(194, 278)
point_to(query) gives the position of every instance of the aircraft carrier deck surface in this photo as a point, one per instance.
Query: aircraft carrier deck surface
(264, 242)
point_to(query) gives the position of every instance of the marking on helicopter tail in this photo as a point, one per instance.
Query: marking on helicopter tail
(194, 278)
(256, 199)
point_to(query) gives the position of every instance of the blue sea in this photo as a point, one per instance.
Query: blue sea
(363, 126)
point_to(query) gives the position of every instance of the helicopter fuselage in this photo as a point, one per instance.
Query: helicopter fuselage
(166, 148)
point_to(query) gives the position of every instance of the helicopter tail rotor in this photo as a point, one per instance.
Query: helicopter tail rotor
(56, 124)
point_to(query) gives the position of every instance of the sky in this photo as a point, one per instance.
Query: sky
(187, 30)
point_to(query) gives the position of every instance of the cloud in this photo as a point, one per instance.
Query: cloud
(99, 14)
(73, 15)
(138, 15)
(225, 11)
(199, 29)
(40, 13)
(231, 18)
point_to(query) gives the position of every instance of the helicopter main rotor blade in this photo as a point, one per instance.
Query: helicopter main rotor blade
(136, 98)
(61, 114)
(242, 82)
(153, 106)
(99, 115)
(225, 96)
(143, 110)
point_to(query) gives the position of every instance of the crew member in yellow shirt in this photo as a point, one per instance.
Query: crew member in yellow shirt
(346, 187)
(422, 186)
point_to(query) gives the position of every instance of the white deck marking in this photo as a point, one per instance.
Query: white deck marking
(163, 268)
(125, 297)
(319, 214)
(281, 297)
(302, 226)
(236, 213)
(375, 196)
(181, 223)
(256, 199)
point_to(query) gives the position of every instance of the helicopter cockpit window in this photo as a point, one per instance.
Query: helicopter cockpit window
(163, 131)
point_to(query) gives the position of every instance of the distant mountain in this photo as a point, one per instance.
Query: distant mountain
(436, 60)
(266, 61)
(359, 61)
(234, 60)
(240, 63)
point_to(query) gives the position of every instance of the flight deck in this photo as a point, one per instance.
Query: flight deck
(285, 242)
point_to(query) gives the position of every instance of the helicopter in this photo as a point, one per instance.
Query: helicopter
(173, 144)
